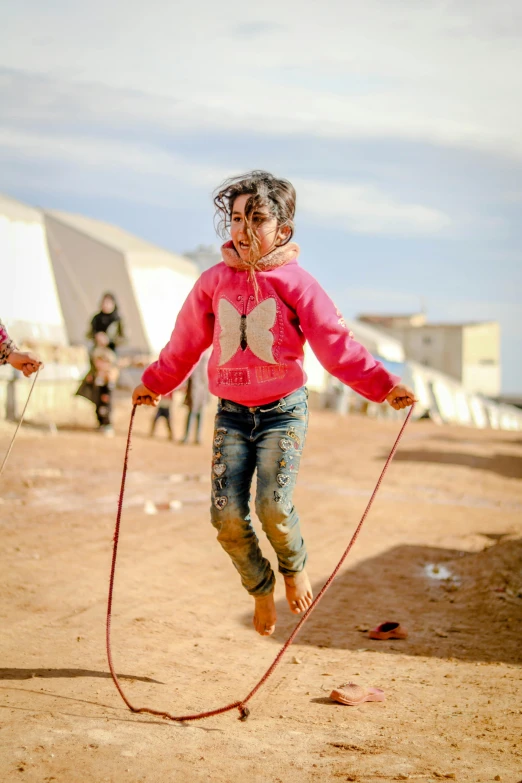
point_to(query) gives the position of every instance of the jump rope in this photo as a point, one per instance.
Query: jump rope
(4, 463)
(241, 704)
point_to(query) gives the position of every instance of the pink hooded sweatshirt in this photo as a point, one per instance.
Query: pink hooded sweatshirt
(257, 322)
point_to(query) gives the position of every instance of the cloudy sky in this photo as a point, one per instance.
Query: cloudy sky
(399, 122)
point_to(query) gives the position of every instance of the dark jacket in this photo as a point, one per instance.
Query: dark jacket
(112, 324)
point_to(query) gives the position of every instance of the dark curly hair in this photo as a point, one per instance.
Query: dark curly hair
(265, 190)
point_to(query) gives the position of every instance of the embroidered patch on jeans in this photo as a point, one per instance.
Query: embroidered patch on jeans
(220, 502)
(220, 483)
(294, 436)
(237, 377)
(279, 497)
(219, 468)
(282, 479)
(270, 372)
(285, 444)
(219, 437)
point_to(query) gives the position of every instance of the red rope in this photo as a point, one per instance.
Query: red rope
(240, 705)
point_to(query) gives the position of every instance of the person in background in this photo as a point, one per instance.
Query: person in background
(105, 371)
(108, 320)
(163, 412)
(98, 384)
(196, 398)
(26, 362)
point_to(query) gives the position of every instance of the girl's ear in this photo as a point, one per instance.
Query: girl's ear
(283, 234)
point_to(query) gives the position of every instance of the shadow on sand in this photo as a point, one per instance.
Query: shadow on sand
(28, 674)
(507, 465)
(473, 616)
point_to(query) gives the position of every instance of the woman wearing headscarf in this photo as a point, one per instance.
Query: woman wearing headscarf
(108, 320)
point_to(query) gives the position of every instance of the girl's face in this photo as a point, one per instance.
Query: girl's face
(107, 305)
(262, 224)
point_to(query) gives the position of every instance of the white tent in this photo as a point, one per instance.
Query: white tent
(91, 257)
(446, 400)
(29, 301)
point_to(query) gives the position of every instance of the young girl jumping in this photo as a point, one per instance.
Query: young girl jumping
(257, 308)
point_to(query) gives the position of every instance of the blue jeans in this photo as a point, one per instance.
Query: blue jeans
(268, 439)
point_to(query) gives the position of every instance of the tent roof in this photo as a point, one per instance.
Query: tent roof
(16, 210)
(124, 242)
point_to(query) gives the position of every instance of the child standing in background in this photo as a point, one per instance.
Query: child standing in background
(100, 381)
(196, 398)
(105, 373)
(256, 308)
(163, 412)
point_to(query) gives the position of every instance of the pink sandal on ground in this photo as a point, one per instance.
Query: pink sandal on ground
(352, 694)
(388, 631)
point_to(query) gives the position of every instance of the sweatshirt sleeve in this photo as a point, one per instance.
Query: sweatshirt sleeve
(337, 350)
(7, 346)
(193, 333)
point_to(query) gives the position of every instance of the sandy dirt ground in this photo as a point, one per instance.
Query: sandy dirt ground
(451, 506)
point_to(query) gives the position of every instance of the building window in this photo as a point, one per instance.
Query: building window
(426, 340)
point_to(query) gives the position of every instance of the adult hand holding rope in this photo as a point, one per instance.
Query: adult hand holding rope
(25, 362)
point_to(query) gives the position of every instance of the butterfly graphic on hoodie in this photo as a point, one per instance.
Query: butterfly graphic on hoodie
(242, 331)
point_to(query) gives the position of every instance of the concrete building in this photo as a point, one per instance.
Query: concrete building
(469, 352)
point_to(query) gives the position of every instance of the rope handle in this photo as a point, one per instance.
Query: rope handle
(244, 711)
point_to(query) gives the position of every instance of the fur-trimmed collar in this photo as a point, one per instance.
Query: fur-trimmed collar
(277, 257)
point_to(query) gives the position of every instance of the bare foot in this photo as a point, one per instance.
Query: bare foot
(265, 615)
(298, 592)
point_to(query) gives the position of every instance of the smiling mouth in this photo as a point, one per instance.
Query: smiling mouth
(244, 246)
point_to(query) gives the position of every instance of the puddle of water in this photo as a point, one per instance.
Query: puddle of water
(436, 571)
